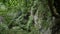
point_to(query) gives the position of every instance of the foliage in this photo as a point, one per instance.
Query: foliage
(24, 16)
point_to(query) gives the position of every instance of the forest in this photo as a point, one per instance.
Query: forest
(29, 16)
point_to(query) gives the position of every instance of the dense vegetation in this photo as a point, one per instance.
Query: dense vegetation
(24, 17)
